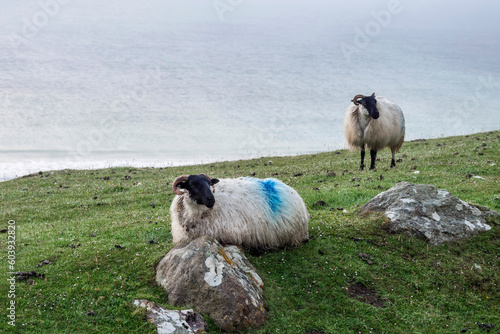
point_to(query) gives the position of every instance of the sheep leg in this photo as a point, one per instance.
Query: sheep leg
(393, 162)
(373, 155)
(362, 165)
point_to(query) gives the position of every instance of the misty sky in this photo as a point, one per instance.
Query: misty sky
(423, 14)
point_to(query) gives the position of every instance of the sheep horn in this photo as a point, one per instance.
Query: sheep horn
(208, 177)
(178, 180)
(354, 100)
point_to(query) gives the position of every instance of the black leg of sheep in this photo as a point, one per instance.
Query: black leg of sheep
(362, 165)
(373, 155)
(393, 151)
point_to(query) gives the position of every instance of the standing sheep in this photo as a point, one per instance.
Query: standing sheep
(376, 123)
(258, 214)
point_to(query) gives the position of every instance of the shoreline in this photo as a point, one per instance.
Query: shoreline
(11, 171)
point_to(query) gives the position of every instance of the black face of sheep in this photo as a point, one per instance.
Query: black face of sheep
(198, 187)
(370, 103)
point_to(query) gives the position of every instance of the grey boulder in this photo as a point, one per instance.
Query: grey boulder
(422, 211)
(173, 322)
(215, 280)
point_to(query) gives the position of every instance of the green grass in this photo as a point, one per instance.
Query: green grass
(75, 219)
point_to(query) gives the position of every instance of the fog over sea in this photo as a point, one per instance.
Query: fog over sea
(91, 84)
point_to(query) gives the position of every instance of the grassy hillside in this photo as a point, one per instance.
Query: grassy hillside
(77, 219)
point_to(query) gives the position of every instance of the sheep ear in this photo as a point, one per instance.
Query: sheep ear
(373, 95)
(214, 181)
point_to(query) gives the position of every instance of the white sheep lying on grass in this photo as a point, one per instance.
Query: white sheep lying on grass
(257, 214)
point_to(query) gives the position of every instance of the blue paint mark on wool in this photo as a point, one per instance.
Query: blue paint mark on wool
(272, 195)
(269, 187)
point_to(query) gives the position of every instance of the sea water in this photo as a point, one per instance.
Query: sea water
(91, 85)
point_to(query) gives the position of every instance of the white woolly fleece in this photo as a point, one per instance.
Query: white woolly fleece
(250, 212)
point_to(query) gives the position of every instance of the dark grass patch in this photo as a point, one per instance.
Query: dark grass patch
(364, 294)
(486, 327)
